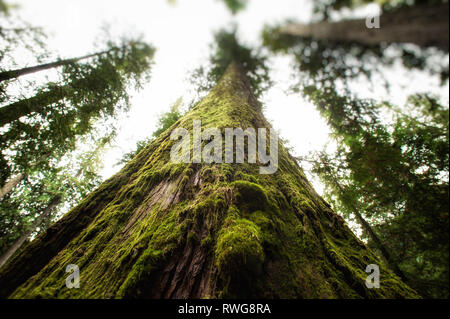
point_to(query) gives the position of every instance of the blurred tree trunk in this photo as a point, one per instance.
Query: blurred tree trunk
(36, 223)
(379, 245)
(13, 74)
(425, 26)
(9, 186)
(35, 104)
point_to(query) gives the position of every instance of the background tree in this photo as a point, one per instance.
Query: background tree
(43, 196)
(19, 42)
(332, 62)
(225, 48)
(14, 74)
(424, 26)
(395, 176)
(324, 9)
(5, 7)
(380, 165)
(235, 5)
(45, 126)
(47, 123)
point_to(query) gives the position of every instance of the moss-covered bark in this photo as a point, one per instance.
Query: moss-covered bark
(163, 230)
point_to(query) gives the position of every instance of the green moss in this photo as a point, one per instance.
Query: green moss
(246, 177)
(184, 181)
(232, 214)
(207, 174)
(269, 234)
(250, 196)
(227, 171)
(239, 255)
(140, 272)
(207, 242)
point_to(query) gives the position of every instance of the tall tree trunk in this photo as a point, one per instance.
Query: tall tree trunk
(9, 186)
(37, 222)
(13, 74)
(35, 104)
(378, 243)
(364, 224)
(422, 25)
(160, 229)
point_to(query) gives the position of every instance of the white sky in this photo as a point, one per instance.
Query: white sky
(182, 35)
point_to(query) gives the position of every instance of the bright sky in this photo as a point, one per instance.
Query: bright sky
(182, 34)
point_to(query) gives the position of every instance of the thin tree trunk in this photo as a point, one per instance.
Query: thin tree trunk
(13, 74)
(52, 205)
(426, 26)
(9, 186)
(35, 104)
(384, 251)
(160, 229)
(16, 30)
(379, 245)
